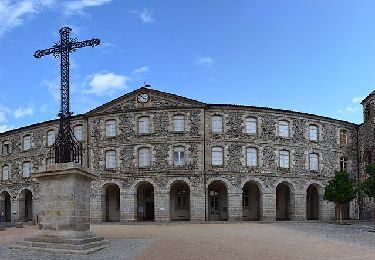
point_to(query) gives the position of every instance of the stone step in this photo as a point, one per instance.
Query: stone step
(72, 241)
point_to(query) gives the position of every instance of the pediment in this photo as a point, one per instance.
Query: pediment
(155, 99)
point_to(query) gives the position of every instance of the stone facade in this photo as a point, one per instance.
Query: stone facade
(197, 189)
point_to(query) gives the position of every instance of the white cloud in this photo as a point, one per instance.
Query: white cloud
(106, 83)
(3, 119)
(23, 111)
(204, 61)
(53, 87)
(77, 6)
(357, 100)
(141, 69)
(145, 15)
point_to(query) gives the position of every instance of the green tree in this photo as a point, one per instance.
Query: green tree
(340, 190)
(368, 185)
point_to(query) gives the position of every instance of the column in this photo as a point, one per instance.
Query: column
(268, 206)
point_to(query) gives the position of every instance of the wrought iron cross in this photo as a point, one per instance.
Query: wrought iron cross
(66, 148)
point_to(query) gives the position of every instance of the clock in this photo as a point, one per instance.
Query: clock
(143, 98)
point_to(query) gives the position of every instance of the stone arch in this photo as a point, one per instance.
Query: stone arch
(111, 202)
(227, 183)
(217, 200)
(313, 202)
(25, 203)
(251, 200)
(179, 200)
(284, 200)
(145, 200)
(5, 205)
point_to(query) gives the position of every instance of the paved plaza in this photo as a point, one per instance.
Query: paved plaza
(281, 240)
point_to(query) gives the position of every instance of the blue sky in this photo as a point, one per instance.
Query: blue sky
(309, 56)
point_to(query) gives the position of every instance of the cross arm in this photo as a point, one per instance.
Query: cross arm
(40, 53)
(93, 42)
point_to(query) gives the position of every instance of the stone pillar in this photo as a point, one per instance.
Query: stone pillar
(235, 206)
(130, 206)
(197, 204)
(327, 211)
(268, 206)
(96, 215)
(298, 206)
(161, 205)
(64, 216)
(14, 205)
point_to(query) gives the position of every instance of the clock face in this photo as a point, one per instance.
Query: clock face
(143, 98)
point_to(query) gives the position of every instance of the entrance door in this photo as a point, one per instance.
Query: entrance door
(214, 206)
(149, 211)
(217, 201)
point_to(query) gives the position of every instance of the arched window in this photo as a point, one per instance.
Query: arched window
(217, 124)
(51, 137)
(217, 156)
(284, 128)
(144, 125)
(343, 137)
(78, 132)
(313, 133)
(251, 125)
(144, 157)
(252, 156)
(110, 159)
(284, 159)
(26, 142)
(179, 155)
(5, 173)
(110, 128)
(26, 168)
(314, 162)
(178, 123)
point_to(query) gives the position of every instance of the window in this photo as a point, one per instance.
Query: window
(50, 160)
(343, 137)
(5, 172)
(5, 148)
(313, 162)
(313, 133)
(144, 125)
(217, 124)
(27, 142)
(51, 137)
(110, 159)
(26, 168)
(179, 156)
(251, 125)
(252, 156)
(217, 156)
(284, 159)
(245, 198)
(110, 128)
(343, 164)
(78, 132)
(182, 199)
(284, 128)
(144, 157)
(178, 123)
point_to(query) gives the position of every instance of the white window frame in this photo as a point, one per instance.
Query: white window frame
(144, 125)
(144, 157)
(110, 159)
(313, 133)
(5, 172)
(78, 132)
(110, 128)
(178, 122)
(26, 169)
(343, 163)
(284, 159)
(26, 142)
(217, 156)
(283, 130)
(179, 156)
(252, 156)
(313, 162)
(51, 137)
(251, 125)
(217, 124)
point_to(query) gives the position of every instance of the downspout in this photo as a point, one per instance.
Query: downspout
(358, 174)
(87, 143)
(204, 164)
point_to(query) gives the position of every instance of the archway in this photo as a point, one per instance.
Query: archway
(282, 202)
(312, 203)
(5, 205)
(26, 205)
(250, 201)
(217, 201)
(112, 203)
(145, 202)
(179, 201)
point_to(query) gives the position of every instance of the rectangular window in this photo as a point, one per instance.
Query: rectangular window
(217, 124)
(284, 159)
(283, 128)
(343, 137)
(144, 125)
(26, 167)
(50, 160)
(313, 162)
(110, 128)
(5, 148)
(51, 136)
(343, 164)
(313, 133)
(178, 123)
(5, 172)
(144, 157)
(26, 142)
(78, 132)
(217, 156)
(252, 157)
(179, 156)
(251, 125)
(110, 160)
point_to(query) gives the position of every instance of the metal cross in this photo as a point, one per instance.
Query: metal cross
(65, 148)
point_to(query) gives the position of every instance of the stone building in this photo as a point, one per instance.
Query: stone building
(162, 157)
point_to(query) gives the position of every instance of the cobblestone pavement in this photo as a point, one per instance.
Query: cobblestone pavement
(282, 240)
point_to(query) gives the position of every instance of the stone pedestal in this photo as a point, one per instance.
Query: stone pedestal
(64, 214)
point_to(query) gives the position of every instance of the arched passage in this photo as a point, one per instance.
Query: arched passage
(217, 201)
(250, 201)
(5, 205)
(312, 203)
(282, 202)
(145, 202)
(112, 203)
(179, 201)
(26, 205)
